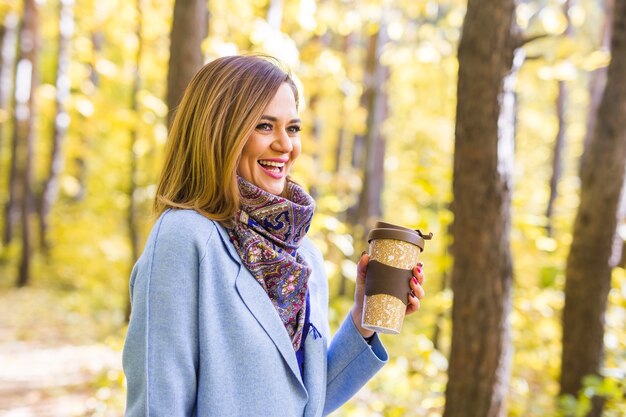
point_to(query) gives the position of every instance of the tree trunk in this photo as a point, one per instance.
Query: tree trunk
(368, 151)
(9, 72)
(346, 44)
(189, 28)
(480, 354)
(442, 312)
(26, 81)
(622, 261)
(559, 144)
(3, 111)
(275, 14)
(342, 133)
(317, 123)
(595, 245)
(8, 47)
(50, 189)
(598, 78)
(132, 185)
(316, 132)
(82, 172)
(370, 205)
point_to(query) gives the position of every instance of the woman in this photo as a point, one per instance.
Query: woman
(230, 298)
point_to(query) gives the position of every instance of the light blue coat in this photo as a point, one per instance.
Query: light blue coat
(205, 340)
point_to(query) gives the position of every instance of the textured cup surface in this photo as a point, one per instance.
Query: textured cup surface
(396, 253)
(384, 312)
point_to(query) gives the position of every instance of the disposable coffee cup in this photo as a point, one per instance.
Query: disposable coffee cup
(393, 252)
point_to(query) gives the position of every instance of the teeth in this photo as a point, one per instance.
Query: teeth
(272, 164)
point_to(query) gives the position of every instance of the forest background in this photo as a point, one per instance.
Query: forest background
(84, 112)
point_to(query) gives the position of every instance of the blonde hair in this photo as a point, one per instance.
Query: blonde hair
(217, 113)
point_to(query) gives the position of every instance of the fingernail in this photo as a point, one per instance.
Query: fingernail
(363, 253)
(419, 270)
(420, 264)
(413, 294)
(414, 280)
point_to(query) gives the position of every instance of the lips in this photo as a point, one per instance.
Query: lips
(273, 167)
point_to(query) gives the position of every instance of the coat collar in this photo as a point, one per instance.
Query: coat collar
(261, 307)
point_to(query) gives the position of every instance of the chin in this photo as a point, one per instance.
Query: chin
(276, 189)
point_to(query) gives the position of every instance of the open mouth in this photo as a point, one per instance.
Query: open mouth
(272, 167)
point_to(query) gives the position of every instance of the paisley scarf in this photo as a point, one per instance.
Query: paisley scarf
(268, 232)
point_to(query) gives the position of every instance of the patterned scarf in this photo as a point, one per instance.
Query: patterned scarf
(268, 232)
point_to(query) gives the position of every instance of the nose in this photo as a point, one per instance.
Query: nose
(282, 142)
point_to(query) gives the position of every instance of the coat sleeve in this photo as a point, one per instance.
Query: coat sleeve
(351, 363)
(160, 356)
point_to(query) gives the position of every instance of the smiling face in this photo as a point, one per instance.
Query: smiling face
(274, 145)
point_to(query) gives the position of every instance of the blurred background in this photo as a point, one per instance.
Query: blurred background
(86, 90)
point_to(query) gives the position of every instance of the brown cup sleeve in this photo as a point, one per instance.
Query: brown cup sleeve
(385, 279)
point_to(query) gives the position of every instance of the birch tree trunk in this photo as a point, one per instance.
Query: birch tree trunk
(596, 248)
(82, 174)
(24, 129)
(478, 371)
(8, 48)
(189, 28)
(50, 189)
(275, 14)
(11, 209)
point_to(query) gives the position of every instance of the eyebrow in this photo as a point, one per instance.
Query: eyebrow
(274, 119)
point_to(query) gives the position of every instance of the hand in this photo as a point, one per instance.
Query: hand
(417, 293)
(359, 295)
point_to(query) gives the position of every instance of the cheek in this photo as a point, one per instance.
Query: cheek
(297, 149)
(250, 150)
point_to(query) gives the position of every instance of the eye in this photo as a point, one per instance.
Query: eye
(294, 129)
(266, 127)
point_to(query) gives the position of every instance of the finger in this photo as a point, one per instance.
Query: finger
(419, 274)
(413, 305)
(361, 267)
(418, 291)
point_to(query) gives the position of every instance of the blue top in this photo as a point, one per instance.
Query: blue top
(204, 339)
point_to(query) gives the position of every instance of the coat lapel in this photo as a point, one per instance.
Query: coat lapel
(261, 307)
(314, 369)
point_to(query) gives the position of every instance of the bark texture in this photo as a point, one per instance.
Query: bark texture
(25, 129)
(596, 247)
(483, 158)
(189, 28)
